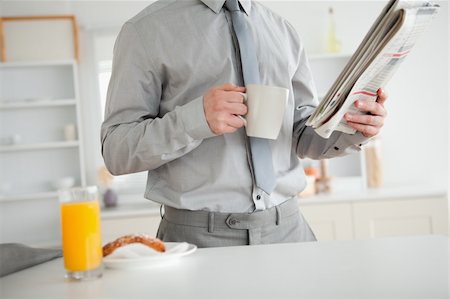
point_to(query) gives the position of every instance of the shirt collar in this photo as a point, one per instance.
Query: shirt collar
(216, 5)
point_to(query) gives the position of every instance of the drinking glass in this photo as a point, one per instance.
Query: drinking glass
(81, 237)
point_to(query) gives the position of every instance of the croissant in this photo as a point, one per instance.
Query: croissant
(151, 242)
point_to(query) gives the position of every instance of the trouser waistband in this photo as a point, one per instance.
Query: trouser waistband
(212, 220)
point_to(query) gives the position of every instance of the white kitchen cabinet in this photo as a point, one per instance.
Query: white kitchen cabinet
(421, 216)
(363, 218)
(329, 221)
(37, 101)
(114, 228)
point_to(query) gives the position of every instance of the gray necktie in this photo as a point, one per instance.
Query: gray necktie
(261, 154)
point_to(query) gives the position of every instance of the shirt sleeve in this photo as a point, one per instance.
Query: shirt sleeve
(306, 142)
(134, 136)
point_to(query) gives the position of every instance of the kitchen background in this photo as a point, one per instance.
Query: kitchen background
(51, 108)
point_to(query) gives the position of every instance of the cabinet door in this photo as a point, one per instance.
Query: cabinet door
(422, 216)
(329, 221)
(115, 228)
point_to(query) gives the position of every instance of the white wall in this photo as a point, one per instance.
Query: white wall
(412, 152)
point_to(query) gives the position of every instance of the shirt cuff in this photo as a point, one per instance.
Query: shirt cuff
(350, 142)
(194, 119)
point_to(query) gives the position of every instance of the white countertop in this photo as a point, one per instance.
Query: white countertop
(147, 207)
(406, 267)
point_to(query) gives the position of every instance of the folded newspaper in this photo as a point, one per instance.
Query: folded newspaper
(382, 50)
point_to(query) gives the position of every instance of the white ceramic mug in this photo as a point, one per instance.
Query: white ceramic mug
(265, 110)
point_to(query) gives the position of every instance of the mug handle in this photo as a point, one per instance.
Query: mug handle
(240, 116)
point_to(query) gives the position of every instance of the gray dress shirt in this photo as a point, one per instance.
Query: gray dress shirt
(165, 59)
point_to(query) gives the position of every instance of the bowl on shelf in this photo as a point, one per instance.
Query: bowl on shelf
(10, 139)
(64, 183)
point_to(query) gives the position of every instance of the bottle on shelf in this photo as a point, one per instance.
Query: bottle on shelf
(323, 183)
(312, 174)
(333, 43)
(105, 180)
(374, 170)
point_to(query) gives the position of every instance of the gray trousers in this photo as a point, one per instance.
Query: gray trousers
(280, 224)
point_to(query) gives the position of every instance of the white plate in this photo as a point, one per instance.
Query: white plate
(138, 256)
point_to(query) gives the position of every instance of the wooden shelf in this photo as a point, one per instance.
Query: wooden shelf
(38, 104)
(38, 146)
(36, 63)
(30, 196)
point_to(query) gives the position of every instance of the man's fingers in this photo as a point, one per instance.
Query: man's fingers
(370, 123)
(374, 108)
(229, 107)
(236, 108)
(230, 87)
(367, 131)
(382, 96)
(224, 128)
(223, 104)
(235, 122)
(234, 97)
(365, 119)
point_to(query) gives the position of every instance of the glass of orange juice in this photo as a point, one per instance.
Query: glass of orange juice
(80, 226)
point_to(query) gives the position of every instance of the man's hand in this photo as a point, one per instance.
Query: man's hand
(222, 106)
(371, 123)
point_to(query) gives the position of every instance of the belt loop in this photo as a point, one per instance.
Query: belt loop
(211, 222)
(161, 207)
(278, 215)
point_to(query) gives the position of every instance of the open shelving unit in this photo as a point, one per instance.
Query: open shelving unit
(37, 100)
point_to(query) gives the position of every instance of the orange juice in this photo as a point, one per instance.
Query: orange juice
(82, 247)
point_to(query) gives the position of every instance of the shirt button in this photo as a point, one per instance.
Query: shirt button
(258, 197)
(232, 221)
